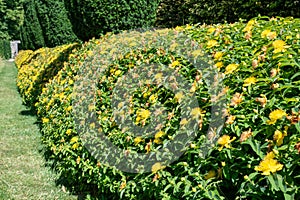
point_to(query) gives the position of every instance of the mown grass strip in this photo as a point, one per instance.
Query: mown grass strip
(23, 174)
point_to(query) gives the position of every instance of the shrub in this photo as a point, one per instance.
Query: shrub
(257, 154)
(41, 67)
(23, 56)
(31, 31)
(171, 13)
(55, 24)
(92, 18)
(5, 51)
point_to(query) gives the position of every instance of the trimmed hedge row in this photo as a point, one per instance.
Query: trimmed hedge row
(257, 154)
(5, 51)
(171, 13)
(36, 69)
(92, 18)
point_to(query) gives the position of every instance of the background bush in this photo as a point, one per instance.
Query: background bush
(172, 13)
(92, 18)
(257, 154)
(5, 50)
(46, 24)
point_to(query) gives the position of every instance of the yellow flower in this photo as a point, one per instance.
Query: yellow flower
(279, 46)
(153, 98)
(45, 120)
(137, 140)
(231, 68)
(268, 165)
(219, 64)
(179, 96)
(159, 134)
(218, 55)
(75, 146)
(279, 136)
(69, 131)
(183, 122)
(196, 112)
(230, 119)
(210, 174)
(275, 115)
(265, 33)
(211, 30)
(211, 43)
(197, 53)
(225, 141)
(249, 81)
(74, 140)
(156, 167)
(118, 72)
(142, 115)
(175, 63)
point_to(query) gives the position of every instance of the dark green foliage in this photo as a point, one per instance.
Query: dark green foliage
(5, 51)
(46, 24)
(172, 13)
(56, 27)
(91, 18)
(31, 31)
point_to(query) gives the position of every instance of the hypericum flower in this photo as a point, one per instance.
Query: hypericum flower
(123, 185)
(268, 165)
(262, 100)
(142, 115)
(159, 134)
(248, 35)
(138, 140)
(236, 99)
(230, 119)
(69, 131)
(118, 72)
(219, 64)
(279, 136)
(183, 122)
(148, 146)
(218, 55)
(272, 35)
(275, 115)
(265, 33)
(231, 68)
(279, 46)
(249, 81)
(211, 30)
(175, 63)
(212, 43)
(45, 120)
(297, 147)
(245, 135)
(179, 96)
(74, 139)
(196, 112)
(210, 174)
(153, 98)
(156, 167)
(224, 141)
(274, 72)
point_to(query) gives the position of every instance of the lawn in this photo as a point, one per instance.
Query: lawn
(23, 171)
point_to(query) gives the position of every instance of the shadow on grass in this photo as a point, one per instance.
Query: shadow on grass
(27, 113)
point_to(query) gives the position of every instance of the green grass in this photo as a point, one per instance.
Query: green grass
(23, 174)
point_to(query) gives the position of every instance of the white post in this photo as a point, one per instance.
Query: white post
(14, 48)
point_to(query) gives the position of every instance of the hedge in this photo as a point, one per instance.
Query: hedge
(38, 68)
(5, 51)
(171, 13)
(92, 18)
(257, 154)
